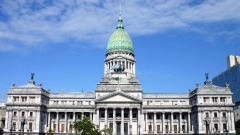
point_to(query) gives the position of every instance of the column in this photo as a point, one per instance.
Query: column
(163, 122)
(171, 125)
(139, 121)
(90, 116)
(82, 114)
(232, 121)
(154, 123)
(57, 122)
(106, 122)
(74, 118)
(114, 121)
(189, 125)
(49, 121)
(97, 118)
(122, 121)
(65, 130)
(7, 119)
(130, 123)
(220, 121)
(211, 127)
(180, 122)
(199, 122)
(145, 121)
(18, 126)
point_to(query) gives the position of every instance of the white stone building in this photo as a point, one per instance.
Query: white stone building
(119, 102)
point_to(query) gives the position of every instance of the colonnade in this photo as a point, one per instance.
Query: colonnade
(128, 65)
(121, 124)
(180, 124)
(64, 124)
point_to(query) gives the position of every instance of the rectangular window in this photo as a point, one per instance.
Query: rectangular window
(166, 116)
(30, 126)
(71, 116)
(125, 115)
(215, 114)
(183, 117)
(110, 115)
(102, 115)
(24, 99)
(222, 99)
(214, 99)
(158, 128)
(224, 114)
(215, 127)
(224, 127)
(14, 125)
(158, 116)
(175, 116)
(63, 116)
(134, 115)
(111, 125)
(149, 116)
(149, 128)
(31, 114)
(207, 115)
(14, 113)
(23, 113)
(15, 98)
(125, 128)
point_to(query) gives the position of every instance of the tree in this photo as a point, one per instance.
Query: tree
(107, 130)
(237, 126)
(85, 127)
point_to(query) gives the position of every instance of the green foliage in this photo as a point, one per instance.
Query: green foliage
(85, 127)
(237, 124)
(107, 130)
(49, 132)
(238, 131)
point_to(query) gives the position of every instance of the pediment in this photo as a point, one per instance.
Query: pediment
(118, 97)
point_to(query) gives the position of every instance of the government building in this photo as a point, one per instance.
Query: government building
(119, 102)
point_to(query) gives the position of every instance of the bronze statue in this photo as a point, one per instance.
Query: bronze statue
(32, 76)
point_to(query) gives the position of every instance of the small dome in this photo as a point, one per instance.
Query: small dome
(120, 40)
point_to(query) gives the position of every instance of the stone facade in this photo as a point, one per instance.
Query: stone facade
(119, 102)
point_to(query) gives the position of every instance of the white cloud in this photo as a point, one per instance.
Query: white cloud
(35, 22)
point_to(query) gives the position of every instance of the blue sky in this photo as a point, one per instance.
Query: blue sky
(64, 42)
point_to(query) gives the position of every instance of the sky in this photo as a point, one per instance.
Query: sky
(64, 41)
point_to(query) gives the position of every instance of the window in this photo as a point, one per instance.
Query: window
(15, 98)
(102, 115)
(215, 127)
(166, 116)
(174, 116)
(31, 114)
(54, 116)
(23, 113)
(134, 115)
(207, 115)
(149, 116)
(14, 113)
(215, 114)
(206, 99)
(71, 116)
(158, 116)
(14, 125)
(224, 114)
(24, 99)
(125, 115)
(222, 99)
(63, 116)
(214, 99)
(183, 116)
(110, 115)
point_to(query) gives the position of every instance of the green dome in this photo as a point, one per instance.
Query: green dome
(120, 40)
